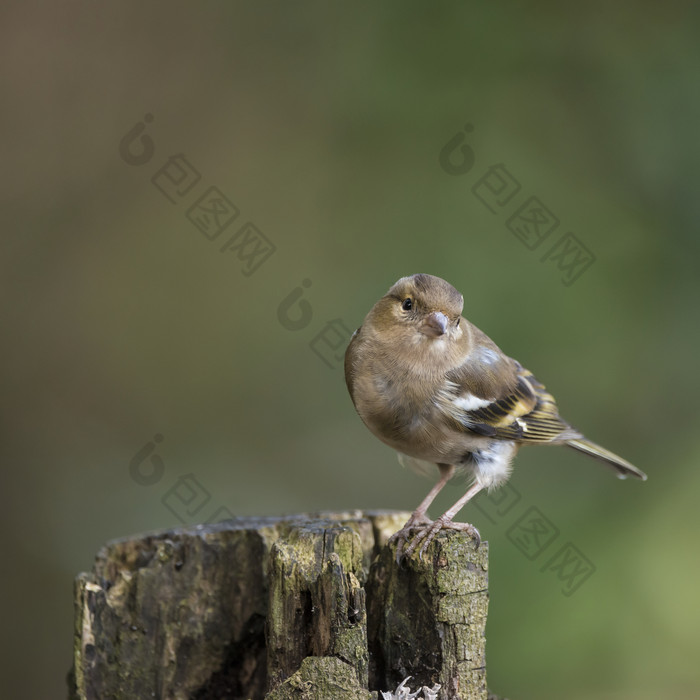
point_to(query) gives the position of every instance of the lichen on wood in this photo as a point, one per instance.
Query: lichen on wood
(427, 617)
(278, 608)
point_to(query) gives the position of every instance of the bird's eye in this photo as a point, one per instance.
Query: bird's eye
(407, 304)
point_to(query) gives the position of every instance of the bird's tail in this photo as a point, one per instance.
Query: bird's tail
(621, 466)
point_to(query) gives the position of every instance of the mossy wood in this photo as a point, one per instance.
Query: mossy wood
(280, 608)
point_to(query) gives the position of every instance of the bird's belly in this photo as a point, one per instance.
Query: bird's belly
(421, 435)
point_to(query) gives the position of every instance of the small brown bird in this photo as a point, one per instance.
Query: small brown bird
(431, 385)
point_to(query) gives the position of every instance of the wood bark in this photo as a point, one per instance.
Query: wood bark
(300, 607)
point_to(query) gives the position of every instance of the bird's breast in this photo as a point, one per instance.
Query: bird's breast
(410, 420)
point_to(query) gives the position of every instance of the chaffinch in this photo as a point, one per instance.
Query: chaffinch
(431, 385)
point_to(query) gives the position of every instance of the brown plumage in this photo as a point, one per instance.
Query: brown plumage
(431, 385)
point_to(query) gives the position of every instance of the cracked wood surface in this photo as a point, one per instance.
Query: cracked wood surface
(305, 606)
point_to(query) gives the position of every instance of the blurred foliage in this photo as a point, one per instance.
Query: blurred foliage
(323, 124)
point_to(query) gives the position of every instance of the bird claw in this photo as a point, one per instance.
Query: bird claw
(401, 537)
(428, 532)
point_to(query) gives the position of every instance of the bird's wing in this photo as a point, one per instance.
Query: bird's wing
(524, 411)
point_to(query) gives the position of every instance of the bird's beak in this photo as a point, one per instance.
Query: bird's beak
(435, 324)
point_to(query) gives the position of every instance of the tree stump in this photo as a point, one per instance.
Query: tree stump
(299, 607)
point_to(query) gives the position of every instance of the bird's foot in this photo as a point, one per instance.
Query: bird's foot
(417, 521)
(427, 534)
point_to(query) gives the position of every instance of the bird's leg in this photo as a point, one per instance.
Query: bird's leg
(444, 522)
(419, 518)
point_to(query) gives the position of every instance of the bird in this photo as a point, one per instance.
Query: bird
(439, 391)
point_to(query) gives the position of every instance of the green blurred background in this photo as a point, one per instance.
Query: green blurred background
(323, 124)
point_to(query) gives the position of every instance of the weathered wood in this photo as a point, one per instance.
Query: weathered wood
(316, 600)
(280, 608)
(427, 617)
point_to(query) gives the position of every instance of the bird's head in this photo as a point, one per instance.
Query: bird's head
(419, 309)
